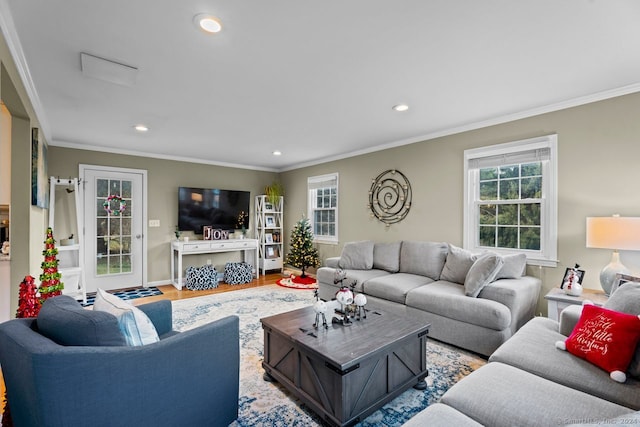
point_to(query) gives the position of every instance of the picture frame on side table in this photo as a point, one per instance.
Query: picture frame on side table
(567, 273)
(620, 280)
(268, 207)
(268, 238)
(270, 221)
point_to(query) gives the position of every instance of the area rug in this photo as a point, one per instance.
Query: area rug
(126, 294)
(269, 404)
(297, 282)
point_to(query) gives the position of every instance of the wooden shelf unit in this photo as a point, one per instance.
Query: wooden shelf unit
(269, 233)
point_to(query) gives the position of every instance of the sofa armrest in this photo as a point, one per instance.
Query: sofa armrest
(190, 378)
(519, 295)
(568, 319)
(160, 314)
(333, 262)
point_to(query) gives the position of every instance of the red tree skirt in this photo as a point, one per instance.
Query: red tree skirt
(296, 282)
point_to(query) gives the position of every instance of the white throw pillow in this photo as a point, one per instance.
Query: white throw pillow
(481, 273)
(136, 326)
(513, 268)
(457, 265)
(357, 255)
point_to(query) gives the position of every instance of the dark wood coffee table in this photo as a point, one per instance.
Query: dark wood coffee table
(345, 373)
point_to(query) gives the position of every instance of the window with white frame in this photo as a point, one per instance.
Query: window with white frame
(323, 206)
(511, 199)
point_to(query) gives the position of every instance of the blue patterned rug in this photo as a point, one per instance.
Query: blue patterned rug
(269, 404)
(126, 294)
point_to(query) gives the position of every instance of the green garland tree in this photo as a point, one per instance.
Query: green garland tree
(50, 284)
(302, 253)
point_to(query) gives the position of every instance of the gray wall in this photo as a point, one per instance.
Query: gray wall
(25, 220)
(164, 178)
(598, 150)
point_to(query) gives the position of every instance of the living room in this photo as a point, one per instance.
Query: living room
(597, 154)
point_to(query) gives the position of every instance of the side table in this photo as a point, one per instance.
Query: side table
(557, 300)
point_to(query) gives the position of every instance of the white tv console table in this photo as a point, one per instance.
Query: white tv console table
(194, 247)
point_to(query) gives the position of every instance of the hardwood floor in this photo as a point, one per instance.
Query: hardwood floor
(171, 293)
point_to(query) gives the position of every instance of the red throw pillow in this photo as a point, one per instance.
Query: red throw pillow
(605, 338)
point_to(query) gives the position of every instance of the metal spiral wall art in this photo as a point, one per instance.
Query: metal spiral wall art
(390, 197)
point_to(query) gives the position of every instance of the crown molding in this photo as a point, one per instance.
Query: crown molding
(77, 146)
(15, 48)
(563, 105)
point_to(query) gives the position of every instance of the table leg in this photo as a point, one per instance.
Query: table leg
(268, 378)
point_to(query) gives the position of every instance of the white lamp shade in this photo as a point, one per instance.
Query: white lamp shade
(614, 232)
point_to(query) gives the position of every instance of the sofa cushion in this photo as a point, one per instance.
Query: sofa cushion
(482, 272)
(532, 349)
(357, 255)
(513, 268)
(136, 326)
(386, 256)
(423, 258)
(326, 275)
(448, 300)
(394, 287)
(440, 415)
(606, 338)
(626, 299)
(64, 321)
(501, 395)
(457, 264)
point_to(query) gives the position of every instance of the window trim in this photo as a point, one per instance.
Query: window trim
(548, 254)
(317, 179)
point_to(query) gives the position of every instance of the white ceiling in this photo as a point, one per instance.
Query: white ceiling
(313, 79)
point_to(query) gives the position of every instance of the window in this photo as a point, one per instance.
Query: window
(511, 199)
(323, 207)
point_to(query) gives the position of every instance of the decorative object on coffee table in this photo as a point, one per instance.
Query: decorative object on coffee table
(617, 233)
(352, 303)
(320, 307)
(390, 197)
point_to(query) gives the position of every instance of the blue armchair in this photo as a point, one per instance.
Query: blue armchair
(185, 379)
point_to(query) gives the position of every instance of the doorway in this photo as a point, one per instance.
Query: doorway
(114, 214)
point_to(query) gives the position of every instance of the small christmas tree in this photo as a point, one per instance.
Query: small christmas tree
(28, 302)
(50, 284)
(28, 306)
(302, 254)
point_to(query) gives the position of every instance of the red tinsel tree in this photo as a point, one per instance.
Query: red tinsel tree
(50, 284)
(28, 306)
(28, 301)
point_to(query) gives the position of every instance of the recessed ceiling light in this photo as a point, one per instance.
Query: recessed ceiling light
(141, 128)
(207, 23)
(277, 153)
(401, 107)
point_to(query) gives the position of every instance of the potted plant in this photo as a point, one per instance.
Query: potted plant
(273, 192)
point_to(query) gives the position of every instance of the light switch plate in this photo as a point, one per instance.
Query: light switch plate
(154, 223)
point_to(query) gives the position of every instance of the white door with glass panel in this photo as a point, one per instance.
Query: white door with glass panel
(113, 219)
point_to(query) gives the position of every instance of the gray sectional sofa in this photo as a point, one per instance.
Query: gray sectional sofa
(473, 302)
(529, 382)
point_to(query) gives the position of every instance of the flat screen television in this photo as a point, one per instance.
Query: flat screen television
(199, 207)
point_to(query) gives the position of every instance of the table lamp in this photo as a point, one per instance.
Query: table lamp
(617, 233)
